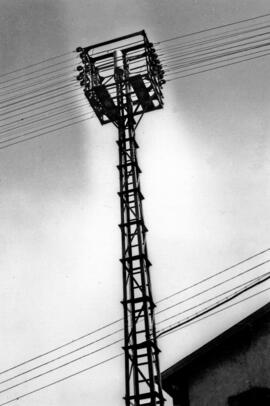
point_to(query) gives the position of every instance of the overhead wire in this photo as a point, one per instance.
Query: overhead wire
(42, 100)
(217, 67)
(43, 128)
(186, 323)
(37, 87)
(22, 120)
(26, 124)
(36, 63)
(37, 70)
(241, 288)
(44, 133)
(248, 285)
(180, 36)
(193, 285)
(210, 39)
(212, 51)
(183, 325)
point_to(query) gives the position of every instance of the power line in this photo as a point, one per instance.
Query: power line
(38, 95)
(212, 28)
(45, 133)
(36, 63)
(247, 285)
(201, 64)
(253, 282)
(49, 83)
(62, 379)
(31, 79)
(212, 38)
(210, 308)
(186, 56)
(22, 120)
(72, 100)
(26, 124)
(244, 288)
(38, 70)
(184, 325)
(217, 67)
(213, 287)
(60, 366)
(41, 101)
(43, 128)
(160, 301)
(215, 274)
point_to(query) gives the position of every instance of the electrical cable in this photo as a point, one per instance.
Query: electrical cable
(119, 320)
(37, 70)
(214, 275)
(213, 287)
(247, 285)
(16, 89)
(72, 100)
(38, 95)
(209, 39)
(217, 67)
(36, 63)
(241, 288)
(213, 51)
(62, 379)
(37, 77)
(212, 28)
(180, 69)
(23, 120)
(59, 366)
(45, 133)
(183, 324)
(21, 126)
(41, 101)
(203, 63)
(49, 83)
(42, 128)
(186, 323)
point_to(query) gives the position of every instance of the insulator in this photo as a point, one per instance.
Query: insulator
(150, 44)
(79, 77)
(79, 49)
(79, 68)
(82, 82)
(162, 82)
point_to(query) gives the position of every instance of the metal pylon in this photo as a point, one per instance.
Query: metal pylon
(143, 385)
(120, 97)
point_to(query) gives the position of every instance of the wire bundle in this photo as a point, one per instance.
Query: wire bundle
(33, 98)
(218, 300)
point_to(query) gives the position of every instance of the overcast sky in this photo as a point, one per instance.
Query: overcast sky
(206, 174)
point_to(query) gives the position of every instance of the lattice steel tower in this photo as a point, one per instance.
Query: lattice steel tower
(122, 80)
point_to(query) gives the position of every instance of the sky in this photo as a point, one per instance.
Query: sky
(205, 178)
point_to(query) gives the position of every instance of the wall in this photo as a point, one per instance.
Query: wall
(239, 365)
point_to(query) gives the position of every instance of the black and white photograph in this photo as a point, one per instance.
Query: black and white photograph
(134, 202)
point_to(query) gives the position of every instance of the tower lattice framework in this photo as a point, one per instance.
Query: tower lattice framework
(122, 84)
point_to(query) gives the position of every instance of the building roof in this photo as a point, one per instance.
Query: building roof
(184, 365)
